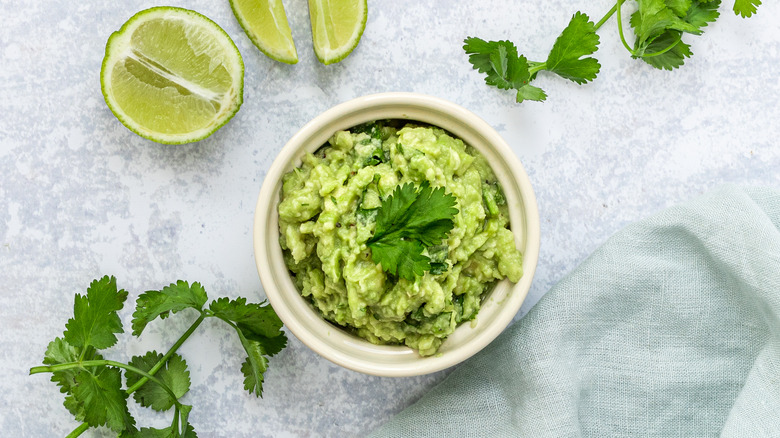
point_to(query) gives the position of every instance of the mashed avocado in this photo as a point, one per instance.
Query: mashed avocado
(327, 213)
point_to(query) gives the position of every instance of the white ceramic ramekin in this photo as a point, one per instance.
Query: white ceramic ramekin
(337, 345)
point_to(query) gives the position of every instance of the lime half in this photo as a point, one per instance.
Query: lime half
(172, 75)
(265, 23)
(336, 26)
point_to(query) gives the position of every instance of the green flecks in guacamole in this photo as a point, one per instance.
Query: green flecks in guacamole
(328, 212)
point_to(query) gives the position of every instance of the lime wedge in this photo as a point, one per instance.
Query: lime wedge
(172, 75)
(265, 23)
(336, 27)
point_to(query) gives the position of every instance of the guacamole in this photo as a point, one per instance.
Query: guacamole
(327, 213)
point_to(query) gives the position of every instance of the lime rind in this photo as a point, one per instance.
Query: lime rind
(118, 48)
(319, 27)
(283, 48)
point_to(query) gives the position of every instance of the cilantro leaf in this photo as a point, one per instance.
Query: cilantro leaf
(171, 299)
(255, 365)
(403, 258)
(479, 52)
(408, 221)
(702, 13)
(174, 374)
(424, 215)
(58, 352)
(671, 59)
(679, 7)
(650, 26)
(509, 70)
(101, 399)
(431, 217)
(505, 69)
(529, 92)
(251, 318)
(167, 432)
(746, 8)
(577, 40)
(654, 19)
(95, 319)
(259, 330)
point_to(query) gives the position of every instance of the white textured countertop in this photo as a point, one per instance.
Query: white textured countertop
(81, 196)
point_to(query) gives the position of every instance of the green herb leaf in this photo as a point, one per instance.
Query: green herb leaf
(403, 258)
(746, 8)
(168, 432)
(171, 299)
(702, 13)
(679, 7)
(577, 40)
(101, 399)
(505, 69)
(654, 17)
(251, 318)
(254, 367)
(408, 221)
(259, 330)
(58, 352)
(670, 59)
(529, 92)
(174, 374)
(95, 319)
(655, 20)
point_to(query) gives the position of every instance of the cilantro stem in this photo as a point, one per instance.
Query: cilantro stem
(168, 355)
(606, 17)
(536, 67)
(78, 431)
(620, 28)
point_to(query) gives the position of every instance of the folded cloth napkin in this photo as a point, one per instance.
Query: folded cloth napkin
(670, 329)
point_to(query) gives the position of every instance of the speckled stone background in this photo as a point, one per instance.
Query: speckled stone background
(81, 196)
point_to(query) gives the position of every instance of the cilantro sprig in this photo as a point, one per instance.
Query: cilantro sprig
(408, 221)
(93, 385)
(658, 27)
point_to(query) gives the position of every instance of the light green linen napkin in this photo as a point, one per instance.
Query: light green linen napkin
(670, 329)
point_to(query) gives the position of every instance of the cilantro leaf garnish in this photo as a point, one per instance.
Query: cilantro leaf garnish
(658, 26)
(566, 59)
(408, 221)
(672, 58)
(254, 365)
(504, 68)
(702, 13)
(170, 299)
(93, 385)
(103, 400)
(259, 330)
(174, 374)
(746, 8)
(167, 432)
(251, 318)
(95, 320)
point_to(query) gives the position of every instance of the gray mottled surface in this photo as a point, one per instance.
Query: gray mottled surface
(81, 196)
